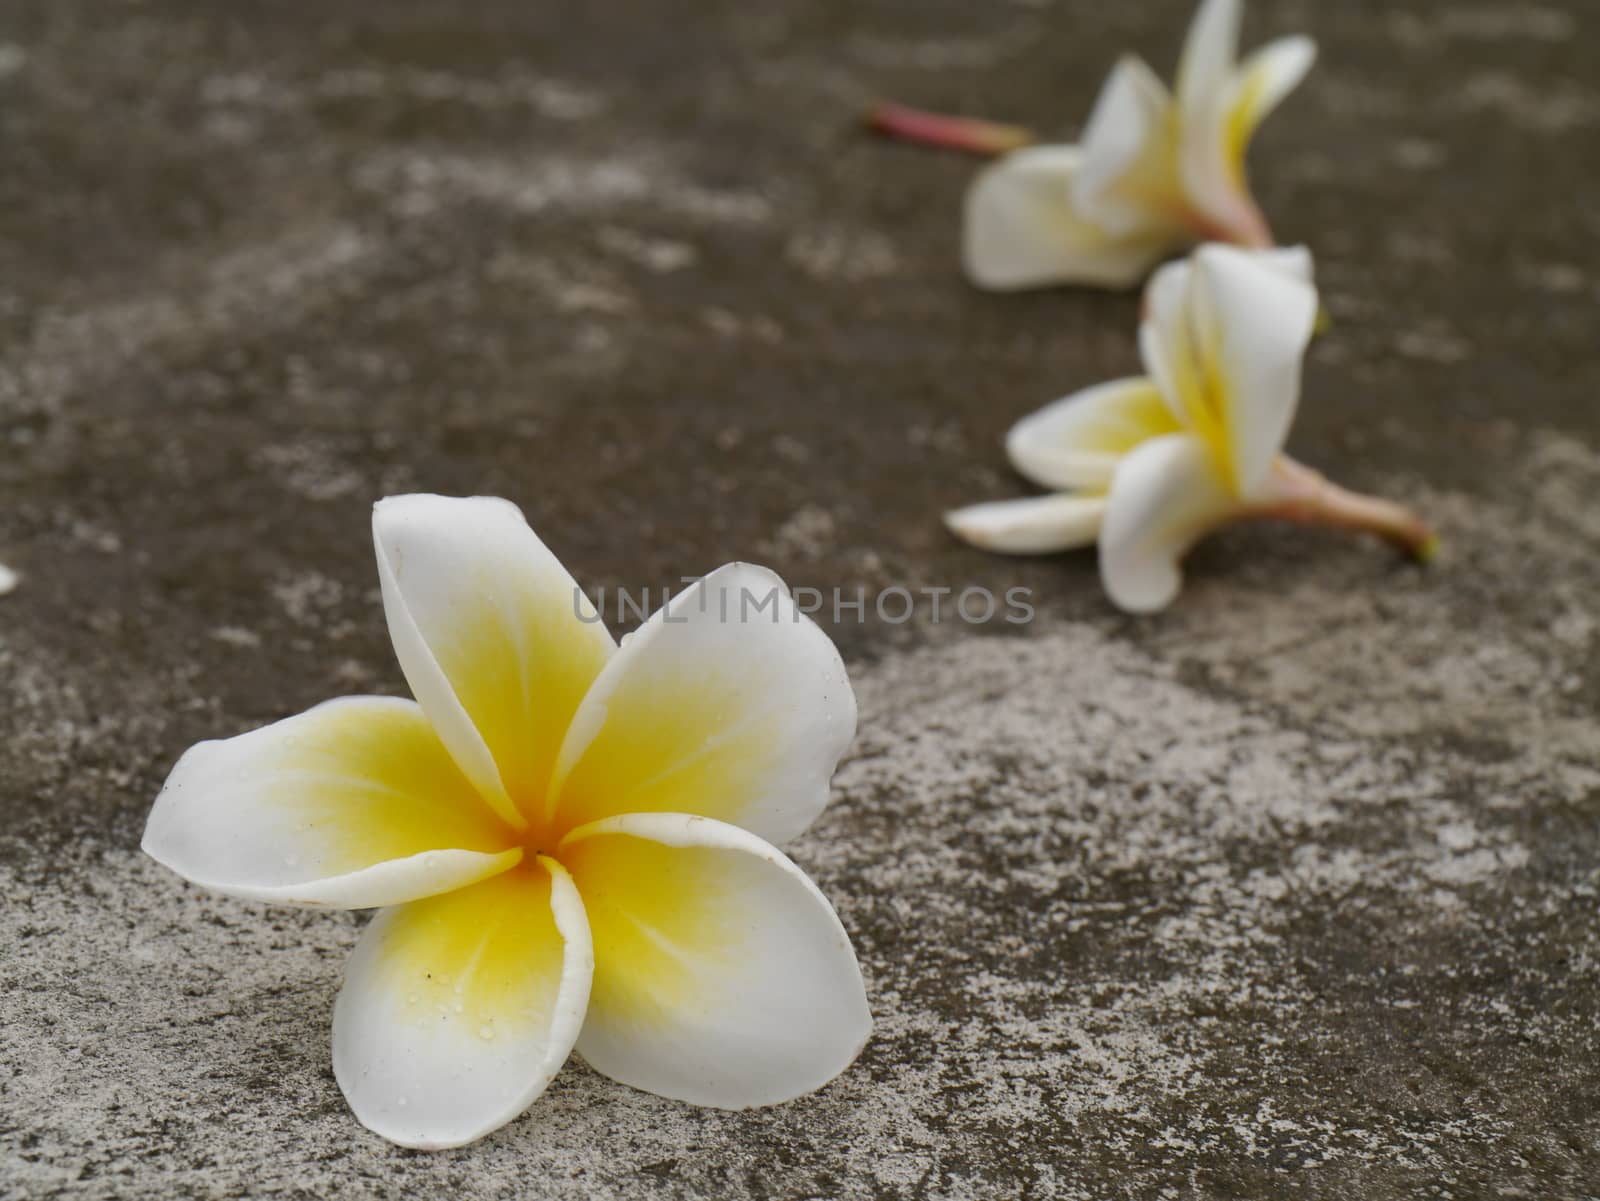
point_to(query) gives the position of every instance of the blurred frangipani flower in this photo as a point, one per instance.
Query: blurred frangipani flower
(571, 842)
(1154, 174)
(1148, 466)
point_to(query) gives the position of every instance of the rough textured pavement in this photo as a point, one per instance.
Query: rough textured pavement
(1288, 892)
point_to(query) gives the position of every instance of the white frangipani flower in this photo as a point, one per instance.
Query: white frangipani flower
(1148, 466)
(570, 841)
(1154, 174)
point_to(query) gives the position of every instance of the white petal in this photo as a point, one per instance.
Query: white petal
(8, 580)
(1166, 496)
(457, 1011)
(1258, 321)
(1295, 262)
(1036, 526)
(729, 702)
(1166, 343)
(1224, 336)
(1218, 131)
(352, 804)
(1266, 78)
(1167, 294)
(1076, 442)
(486, 623)
(1129, 174)
(1209, 54)
(722, 976)
(1023, 230)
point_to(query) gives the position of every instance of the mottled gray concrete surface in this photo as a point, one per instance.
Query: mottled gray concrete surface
(1288, 892)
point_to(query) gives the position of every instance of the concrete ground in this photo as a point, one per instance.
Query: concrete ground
(1290, 891)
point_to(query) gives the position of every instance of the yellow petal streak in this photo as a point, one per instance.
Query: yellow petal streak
(1243, 118)
(676, 745)
(1202, 389)
(520, 689)
(1152, 180)
(486, 959)
(1137, 415)
(376, 784)
(659, 921)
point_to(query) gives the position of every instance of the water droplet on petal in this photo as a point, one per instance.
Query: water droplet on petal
(486, 1032)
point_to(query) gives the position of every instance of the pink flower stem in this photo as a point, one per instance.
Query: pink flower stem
(1303, 495)
(969, 134)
